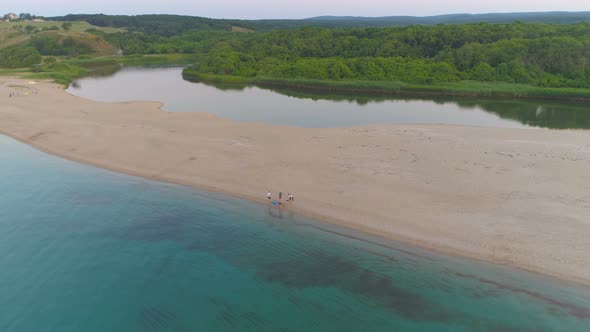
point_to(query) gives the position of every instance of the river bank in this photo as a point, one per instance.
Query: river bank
(511, 196)
(464, 89)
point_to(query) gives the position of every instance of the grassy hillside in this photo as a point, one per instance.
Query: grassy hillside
(22, 33)
(158, 25)
(78, 26)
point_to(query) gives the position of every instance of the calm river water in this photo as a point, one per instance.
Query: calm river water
(297, 108)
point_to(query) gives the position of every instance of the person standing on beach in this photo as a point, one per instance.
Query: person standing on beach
(280, 197)
(268, 195)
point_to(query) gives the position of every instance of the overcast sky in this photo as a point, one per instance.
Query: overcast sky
(255, 9)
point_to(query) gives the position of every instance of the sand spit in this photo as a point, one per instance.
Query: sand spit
(519, 197)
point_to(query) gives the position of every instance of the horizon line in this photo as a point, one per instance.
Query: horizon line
(323, 15)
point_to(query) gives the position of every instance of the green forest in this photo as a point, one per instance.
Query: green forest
(540, 55)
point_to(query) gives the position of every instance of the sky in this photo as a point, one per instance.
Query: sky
(258, 9)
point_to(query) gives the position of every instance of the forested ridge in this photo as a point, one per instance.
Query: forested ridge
(542, 55)
(169, 25)
(560, 17)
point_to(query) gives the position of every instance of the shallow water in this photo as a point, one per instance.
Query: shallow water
(305, 109)
(85, 249)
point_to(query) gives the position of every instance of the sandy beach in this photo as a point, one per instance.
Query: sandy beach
(519, 197)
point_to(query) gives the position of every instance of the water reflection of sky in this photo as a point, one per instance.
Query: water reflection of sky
(262, 105)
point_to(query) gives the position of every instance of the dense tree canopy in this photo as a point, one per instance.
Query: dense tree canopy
(55, 45)
(188, 43)
(537, 54)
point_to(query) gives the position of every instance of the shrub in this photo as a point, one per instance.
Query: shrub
(19, 57)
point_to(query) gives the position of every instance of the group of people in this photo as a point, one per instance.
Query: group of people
(26, 93)
(290, 197)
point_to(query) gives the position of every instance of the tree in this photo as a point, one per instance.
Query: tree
(30, 28)
(25, 16)
(482, 72)
(66, 26)
(49, 60)
(339, 70)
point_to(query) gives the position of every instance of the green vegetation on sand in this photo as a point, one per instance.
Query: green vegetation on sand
(66, 71)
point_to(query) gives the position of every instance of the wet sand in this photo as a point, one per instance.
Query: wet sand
(519, 197)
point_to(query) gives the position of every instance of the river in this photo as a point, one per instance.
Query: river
(307, 109)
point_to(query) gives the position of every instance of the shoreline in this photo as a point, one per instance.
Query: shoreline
(352, 219)
(378, 88)
(319, 217)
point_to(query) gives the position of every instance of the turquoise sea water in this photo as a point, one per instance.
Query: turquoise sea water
(83, 249)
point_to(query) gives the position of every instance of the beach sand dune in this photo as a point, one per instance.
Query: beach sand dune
(519, 197)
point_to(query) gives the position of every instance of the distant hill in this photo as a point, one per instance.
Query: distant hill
(536, 17)
(393, 21)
